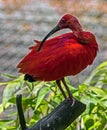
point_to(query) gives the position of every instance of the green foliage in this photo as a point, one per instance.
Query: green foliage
(40, 98)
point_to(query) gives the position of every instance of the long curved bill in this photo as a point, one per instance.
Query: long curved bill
(55, 29)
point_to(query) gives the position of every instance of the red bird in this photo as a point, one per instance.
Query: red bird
(64, 55)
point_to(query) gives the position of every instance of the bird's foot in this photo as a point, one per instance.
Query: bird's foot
(72, 99)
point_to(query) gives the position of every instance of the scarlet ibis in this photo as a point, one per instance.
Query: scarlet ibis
(64, 55)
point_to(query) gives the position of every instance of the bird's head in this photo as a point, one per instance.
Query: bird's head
(67, 21)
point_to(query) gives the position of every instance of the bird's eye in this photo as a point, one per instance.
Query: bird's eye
(62, 20)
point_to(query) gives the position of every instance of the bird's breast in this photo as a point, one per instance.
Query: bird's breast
(80, 56)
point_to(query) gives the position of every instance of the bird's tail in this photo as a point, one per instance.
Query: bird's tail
(29, 78)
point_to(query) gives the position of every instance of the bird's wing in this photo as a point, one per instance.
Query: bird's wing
(59, 57)
(47, 48)
(50, 60)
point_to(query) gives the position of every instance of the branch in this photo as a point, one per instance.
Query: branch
(61, 117)
(20, 112)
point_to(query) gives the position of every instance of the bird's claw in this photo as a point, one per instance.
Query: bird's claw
(72, 99)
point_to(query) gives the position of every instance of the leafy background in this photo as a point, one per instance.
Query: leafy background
(40, 98)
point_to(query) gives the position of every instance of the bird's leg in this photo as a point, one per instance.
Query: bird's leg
(69, 92)
(62, 91)
(66, 87)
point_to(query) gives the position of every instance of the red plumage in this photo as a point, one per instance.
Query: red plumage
(60, 56)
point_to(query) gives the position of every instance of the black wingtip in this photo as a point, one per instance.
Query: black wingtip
(29, 78)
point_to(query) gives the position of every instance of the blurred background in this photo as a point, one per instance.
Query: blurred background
(22, 21)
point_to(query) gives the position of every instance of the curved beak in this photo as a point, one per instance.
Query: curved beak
(55, 29)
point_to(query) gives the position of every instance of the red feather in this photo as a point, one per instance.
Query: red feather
(60, 56)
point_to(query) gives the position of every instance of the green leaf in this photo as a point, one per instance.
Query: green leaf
(98, 74)
(104, 98)
(42, 93)
(8, 93)
(89, 123)
(98, 91)
(103, 124)
(95, 125)
(1, 108)
(5, 123)
(9, 75)
(82, 88)
(102, 65)
(18, 80)
(91, 107)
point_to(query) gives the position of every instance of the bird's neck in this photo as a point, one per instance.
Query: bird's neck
(77, 34)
